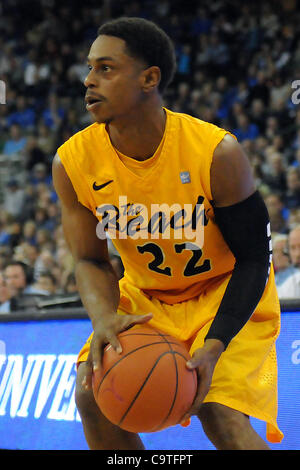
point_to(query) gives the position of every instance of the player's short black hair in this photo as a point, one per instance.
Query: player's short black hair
(145, 41)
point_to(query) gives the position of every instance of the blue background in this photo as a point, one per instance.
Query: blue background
(67, 337)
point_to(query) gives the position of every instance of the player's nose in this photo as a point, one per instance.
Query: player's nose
(90, 80)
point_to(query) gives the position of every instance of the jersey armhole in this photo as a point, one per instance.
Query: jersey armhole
(217, 137)
(73, 173)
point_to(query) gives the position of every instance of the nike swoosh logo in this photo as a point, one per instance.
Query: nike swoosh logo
(100, 186)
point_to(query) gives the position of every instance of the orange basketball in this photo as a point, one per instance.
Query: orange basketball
(147, 387)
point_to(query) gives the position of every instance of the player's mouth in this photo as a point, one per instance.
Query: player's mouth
(92, 102)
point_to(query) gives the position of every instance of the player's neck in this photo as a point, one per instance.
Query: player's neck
(140, 134)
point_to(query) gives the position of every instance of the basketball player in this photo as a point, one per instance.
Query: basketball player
(216, 293)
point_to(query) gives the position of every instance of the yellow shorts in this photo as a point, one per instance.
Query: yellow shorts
(245, 377)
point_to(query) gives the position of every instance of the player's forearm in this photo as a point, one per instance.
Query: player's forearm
(240, 299)
(98, 288)
(246, 229)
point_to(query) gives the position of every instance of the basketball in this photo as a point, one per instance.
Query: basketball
(147, 387)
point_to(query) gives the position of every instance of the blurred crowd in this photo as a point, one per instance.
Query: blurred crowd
(237, 67)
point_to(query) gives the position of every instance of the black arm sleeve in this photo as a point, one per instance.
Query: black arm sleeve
(246, 229)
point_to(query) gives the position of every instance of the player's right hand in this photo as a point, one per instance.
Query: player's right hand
(106, 331)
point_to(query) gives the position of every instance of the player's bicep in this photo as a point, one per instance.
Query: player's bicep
(231, 174)
(80, 232)
(79, 224)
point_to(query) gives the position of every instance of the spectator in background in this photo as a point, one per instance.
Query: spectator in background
(260, 90)
(182, 96)
(5, 256)
(258, 115)
(24, 115)
(184, 61)
(40, 218)
(70, 122)
(4, 232)
(46, 282)
(54, 113)
(282, 265)
(293, 247)
(29, 232)
(43, 238)
(202, 54)
(13, 202)
(3, 125)
(278, 217)
(296, 158)
(296, 141)
(201, 23)
(272, 128)
(53, 214)
(275, 173)
(292, 194)
(4, 295)
(16, 142)
(19, 280)
(27, 253)
(290, 288)
(30, 200)
(44, 198)
(245, 129)
(40, 174)
(77, 71)
(35, 72)
(293, 218)
(15, 233)
(45, 139)
(33, 152)
(45, 261)
(218, 53)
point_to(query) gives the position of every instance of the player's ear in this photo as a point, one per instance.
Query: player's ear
(150, 78)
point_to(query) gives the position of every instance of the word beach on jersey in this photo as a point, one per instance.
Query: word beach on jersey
(137, 221)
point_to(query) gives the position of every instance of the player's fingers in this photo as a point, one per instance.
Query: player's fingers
(128, 321)
(139, 319)
(113, 340)
(201, 391)
(195, 360)
(96, 351)
(193, 410)
(204, 382)
(87, 379)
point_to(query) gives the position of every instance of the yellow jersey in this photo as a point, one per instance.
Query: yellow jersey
(158, 212)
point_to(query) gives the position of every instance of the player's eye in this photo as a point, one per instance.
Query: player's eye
(105, 68)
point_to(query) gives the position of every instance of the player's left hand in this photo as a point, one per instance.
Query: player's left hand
(204, 361)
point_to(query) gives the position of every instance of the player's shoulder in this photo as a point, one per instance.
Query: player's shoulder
(80, 142)
(187, 120)
(196, 127)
